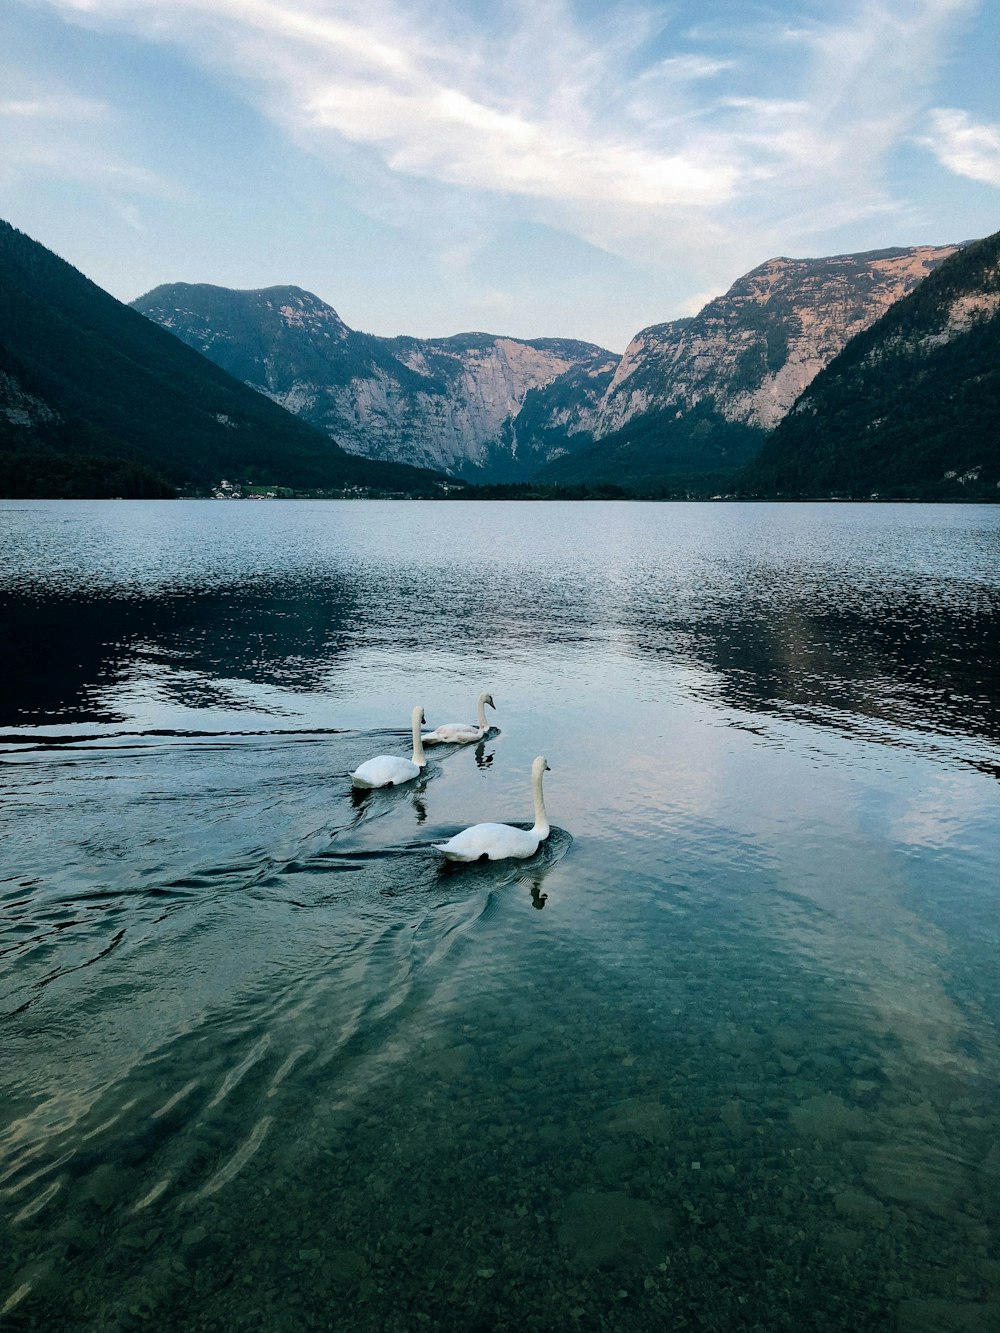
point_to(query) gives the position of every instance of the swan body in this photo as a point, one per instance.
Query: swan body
(389, 770)
(461, 733)
(497, 842)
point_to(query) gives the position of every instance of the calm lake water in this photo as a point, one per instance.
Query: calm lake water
(723, 1056)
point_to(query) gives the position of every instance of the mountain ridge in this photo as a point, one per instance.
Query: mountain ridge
(910, 409)
(97, 397)
(488, 408)
(755, 348)
(88, 383)
(443, 402)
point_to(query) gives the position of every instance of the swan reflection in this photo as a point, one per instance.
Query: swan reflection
(538, 898)
(483, 760)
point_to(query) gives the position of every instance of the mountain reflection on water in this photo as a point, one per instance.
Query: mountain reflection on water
(267, 1063)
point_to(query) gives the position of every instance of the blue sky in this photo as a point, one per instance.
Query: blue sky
(529, 167)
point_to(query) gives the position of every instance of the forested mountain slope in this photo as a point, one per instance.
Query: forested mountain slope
(96, 400)
(454, 404)
(911, 407)
(692, 401)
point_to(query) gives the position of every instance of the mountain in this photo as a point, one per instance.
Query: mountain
(911, 407)
(686, 407)
(449, 403)
(694, 400)
(754, 350)
(97, 400)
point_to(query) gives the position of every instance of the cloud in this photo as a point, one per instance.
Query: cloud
(444, 134)
(49, 107)
(48, 136)
(963, 146)
(649, 140)
(690, 67)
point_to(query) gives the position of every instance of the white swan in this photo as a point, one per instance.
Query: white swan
(496, 842)
(461, 733)
(389, 770)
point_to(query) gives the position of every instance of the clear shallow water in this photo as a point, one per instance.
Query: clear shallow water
(723, 1056)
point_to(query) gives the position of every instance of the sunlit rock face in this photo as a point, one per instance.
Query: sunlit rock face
(450, 403)
(754, 350)
(910, 410)
(491, 408)
(461, 400)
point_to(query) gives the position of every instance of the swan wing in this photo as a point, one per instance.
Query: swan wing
(452, 733)
(383, 771)
(497, 842)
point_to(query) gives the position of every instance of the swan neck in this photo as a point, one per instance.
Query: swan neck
(541, 819)
(418, 757)
(482, 715)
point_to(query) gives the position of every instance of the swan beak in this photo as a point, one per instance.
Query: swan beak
(548, 768)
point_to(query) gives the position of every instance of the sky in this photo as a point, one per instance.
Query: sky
(536, 168)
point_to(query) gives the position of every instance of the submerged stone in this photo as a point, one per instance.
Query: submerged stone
(649, 1120)
(615, 1162)
(346, 1266)
(911, 1175)
(827, 1117)
(859, 1207)
(105, 1186)
(601, 1228)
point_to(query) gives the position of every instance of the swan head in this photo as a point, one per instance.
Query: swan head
(539, 767)
(418, 717)
(487, 699)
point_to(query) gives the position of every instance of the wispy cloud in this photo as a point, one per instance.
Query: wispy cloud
(964, 146)
(52, 134)
(50, 107)
(638, 136)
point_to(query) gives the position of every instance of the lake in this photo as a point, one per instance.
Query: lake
(724, 1055)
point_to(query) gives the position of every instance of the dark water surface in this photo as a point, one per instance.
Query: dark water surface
(723, 1056)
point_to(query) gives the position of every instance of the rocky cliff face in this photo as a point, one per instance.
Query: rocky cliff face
(20, 409)
(448, 403)
(489, 408)
(459, 403)
(754, 350)
(96, 400)
(911, 408)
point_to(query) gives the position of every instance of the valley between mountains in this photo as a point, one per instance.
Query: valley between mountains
(494, 409)
(867, 375)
